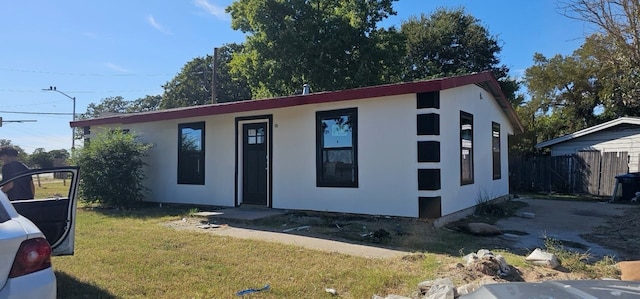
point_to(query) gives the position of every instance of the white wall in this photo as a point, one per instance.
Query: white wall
(475, 100)
(612, 140)
(386, 159)
(387, 156)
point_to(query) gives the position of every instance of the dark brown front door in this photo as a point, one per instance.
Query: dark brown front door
(254, 161)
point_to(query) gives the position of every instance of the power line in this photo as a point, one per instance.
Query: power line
(36, 113)
(84, 74)
(106, 91)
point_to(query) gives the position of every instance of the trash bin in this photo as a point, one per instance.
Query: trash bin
(626, 186)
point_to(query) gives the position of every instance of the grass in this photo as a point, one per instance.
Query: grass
(574, 261)
(47, 187)
(130, 254)
(133, 254)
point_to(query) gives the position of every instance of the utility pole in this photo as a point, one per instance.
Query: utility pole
(214, 94)
(73, 132)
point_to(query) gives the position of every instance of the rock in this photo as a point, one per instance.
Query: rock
(440, 291)
(426, 285)
(629, 270)
(486, 262)
(390, 297)
(467, 288)
(482, 229)
(543, 258)
(526, 215)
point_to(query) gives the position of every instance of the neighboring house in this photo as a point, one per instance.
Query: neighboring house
(619, 135)
(418, 149)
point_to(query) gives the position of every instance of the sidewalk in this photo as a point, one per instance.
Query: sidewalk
(252, 213)
(309, 242)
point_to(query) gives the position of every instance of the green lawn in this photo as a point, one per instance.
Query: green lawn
(132, 255)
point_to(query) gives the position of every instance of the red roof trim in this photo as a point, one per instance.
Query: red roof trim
(314, 98)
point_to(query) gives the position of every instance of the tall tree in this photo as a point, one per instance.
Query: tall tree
(617, 19)
(328, 44)
(192, 86)
(148, 103)
(618, 25)
(452, 42)
(41, 158)
(567, 85)
(106, 106)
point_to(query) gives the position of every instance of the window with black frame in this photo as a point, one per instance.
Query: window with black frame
(337, 148)
(466, 148)
(191, 153)
(495, 142)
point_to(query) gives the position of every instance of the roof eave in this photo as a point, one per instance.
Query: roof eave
(589, 130)
(485, 79)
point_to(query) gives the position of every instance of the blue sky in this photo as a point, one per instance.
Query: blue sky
(91, 50)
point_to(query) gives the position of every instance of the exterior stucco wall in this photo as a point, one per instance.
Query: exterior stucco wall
(475, 100)
(386, 159)
(387, 156)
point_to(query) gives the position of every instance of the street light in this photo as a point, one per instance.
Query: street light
(73, 136)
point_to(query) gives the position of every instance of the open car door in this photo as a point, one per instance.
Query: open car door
(53, 208)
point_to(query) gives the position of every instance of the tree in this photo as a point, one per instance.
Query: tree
(329, 45)
(451, 42)
(41, 158)
(617, 19)
(60, 154)
(230, 87)
(107, 106)
(192, 86)
(148, 103)
(618, 25)
(117, 105)
(112, 168)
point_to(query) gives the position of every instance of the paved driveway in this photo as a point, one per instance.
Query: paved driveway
(561, 220)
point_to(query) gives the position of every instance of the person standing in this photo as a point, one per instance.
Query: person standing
(21, 188)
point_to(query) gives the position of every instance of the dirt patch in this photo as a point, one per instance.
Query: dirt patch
(419, 235)
(620, 233)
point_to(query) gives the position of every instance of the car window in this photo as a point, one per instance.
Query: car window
(46, 185)
(52, 185)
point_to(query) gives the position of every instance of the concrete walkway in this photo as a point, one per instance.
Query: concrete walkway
(309, 242)
(254, 213)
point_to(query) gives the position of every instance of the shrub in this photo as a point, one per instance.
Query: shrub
(111, 169)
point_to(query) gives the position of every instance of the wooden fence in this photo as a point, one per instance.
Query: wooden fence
(583, 173)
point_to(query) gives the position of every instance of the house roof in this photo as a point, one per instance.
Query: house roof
(590, 130)
(485, 79)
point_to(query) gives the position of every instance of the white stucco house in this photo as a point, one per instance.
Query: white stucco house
(618, 135)
(418, 149)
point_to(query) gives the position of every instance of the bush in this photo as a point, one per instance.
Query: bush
(111, 169)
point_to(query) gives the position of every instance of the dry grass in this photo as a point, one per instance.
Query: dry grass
(132, 255)
(47, 187)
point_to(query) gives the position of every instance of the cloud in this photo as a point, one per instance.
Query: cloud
(116, 67)
(212, 9)
(157, 25)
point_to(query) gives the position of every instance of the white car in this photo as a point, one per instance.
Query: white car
(31, 231)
